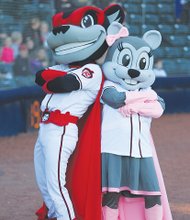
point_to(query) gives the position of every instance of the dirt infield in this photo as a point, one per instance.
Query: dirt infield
(19, 196)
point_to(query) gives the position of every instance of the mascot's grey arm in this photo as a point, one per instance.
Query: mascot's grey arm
(113, 98)
(162, 102)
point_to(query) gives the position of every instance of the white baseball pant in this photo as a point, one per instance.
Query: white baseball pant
(53, 148)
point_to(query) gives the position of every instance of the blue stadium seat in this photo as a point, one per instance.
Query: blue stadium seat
(167, 19)
(166, 29)
(166, 1)
(171, 66)
(186, 52)
(188, 40)
(135, 19)
(135, 1)
(135, 30)
(177, 66)
(160, 52)
(133, 8)
(6, 68)
(6, 19)
(173, 52)
(181, 29)
(178, 40)
(45, 8)
(166, 8)
(151, 19)
(150, 8)
(30, 8)
(183, 66)
(149, 27)
(150, 2)
(14, 27)
(126, 6)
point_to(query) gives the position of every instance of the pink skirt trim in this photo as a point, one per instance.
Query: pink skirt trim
(136, 192)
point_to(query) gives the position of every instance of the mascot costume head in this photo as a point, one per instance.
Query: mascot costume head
(78, 38)
(129, 61)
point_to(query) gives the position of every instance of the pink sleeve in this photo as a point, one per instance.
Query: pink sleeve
(140, 96)
(149, 109)
(142, 102)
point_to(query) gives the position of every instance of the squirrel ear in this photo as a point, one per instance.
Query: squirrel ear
(115, 13)
(153, 38)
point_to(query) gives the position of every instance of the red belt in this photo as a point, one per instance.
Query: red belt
(57, 118)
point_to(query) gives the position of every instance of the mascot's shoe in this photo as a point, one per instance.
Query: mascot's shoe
(154, 213)
(109, 214)
(42, 212)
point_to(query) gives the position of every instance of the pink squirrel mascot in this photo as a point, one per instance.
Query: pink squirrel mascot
(132, 183)
(78, 41)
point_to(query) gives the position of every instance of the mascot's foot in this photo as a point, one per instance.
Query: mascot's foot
(42, 212)
(109, 214)
(154, 213)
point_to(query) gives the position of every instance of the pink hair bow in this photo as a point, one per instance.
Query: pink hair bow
(110, 39)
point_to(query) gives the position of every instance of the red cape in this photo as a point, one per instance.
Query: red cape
(84, 173)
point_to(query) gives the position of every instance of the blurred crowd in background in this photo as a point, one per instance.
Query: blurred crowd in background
(24, 51)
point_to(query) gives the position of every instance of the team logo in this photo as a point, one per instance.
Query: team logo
(87, 73)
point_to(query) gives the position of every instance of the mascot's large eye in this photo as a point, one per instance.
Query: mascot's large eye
(125, 58)
(87, 21)
(143, 61)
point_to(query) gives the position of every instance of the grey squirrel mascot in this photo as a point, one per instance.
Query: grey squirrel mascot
(132, 182)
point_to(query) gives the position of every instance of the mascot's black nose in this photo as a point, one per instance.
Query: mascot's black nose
(62, 29)
(133, 73)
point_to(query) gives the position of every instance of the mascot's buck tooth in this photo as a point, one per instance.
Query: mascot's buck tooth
(78, 40)
(131, 178)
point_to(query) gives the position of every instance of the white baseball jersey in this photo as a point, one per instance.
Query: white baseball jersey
(127, 136)
(76, 102)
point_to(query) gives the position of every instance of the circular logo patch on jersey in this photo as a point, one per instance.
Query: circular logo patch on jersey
(87, 73)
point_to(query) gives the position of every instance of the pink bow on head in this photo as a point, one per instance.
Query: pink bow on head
(110, 39)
